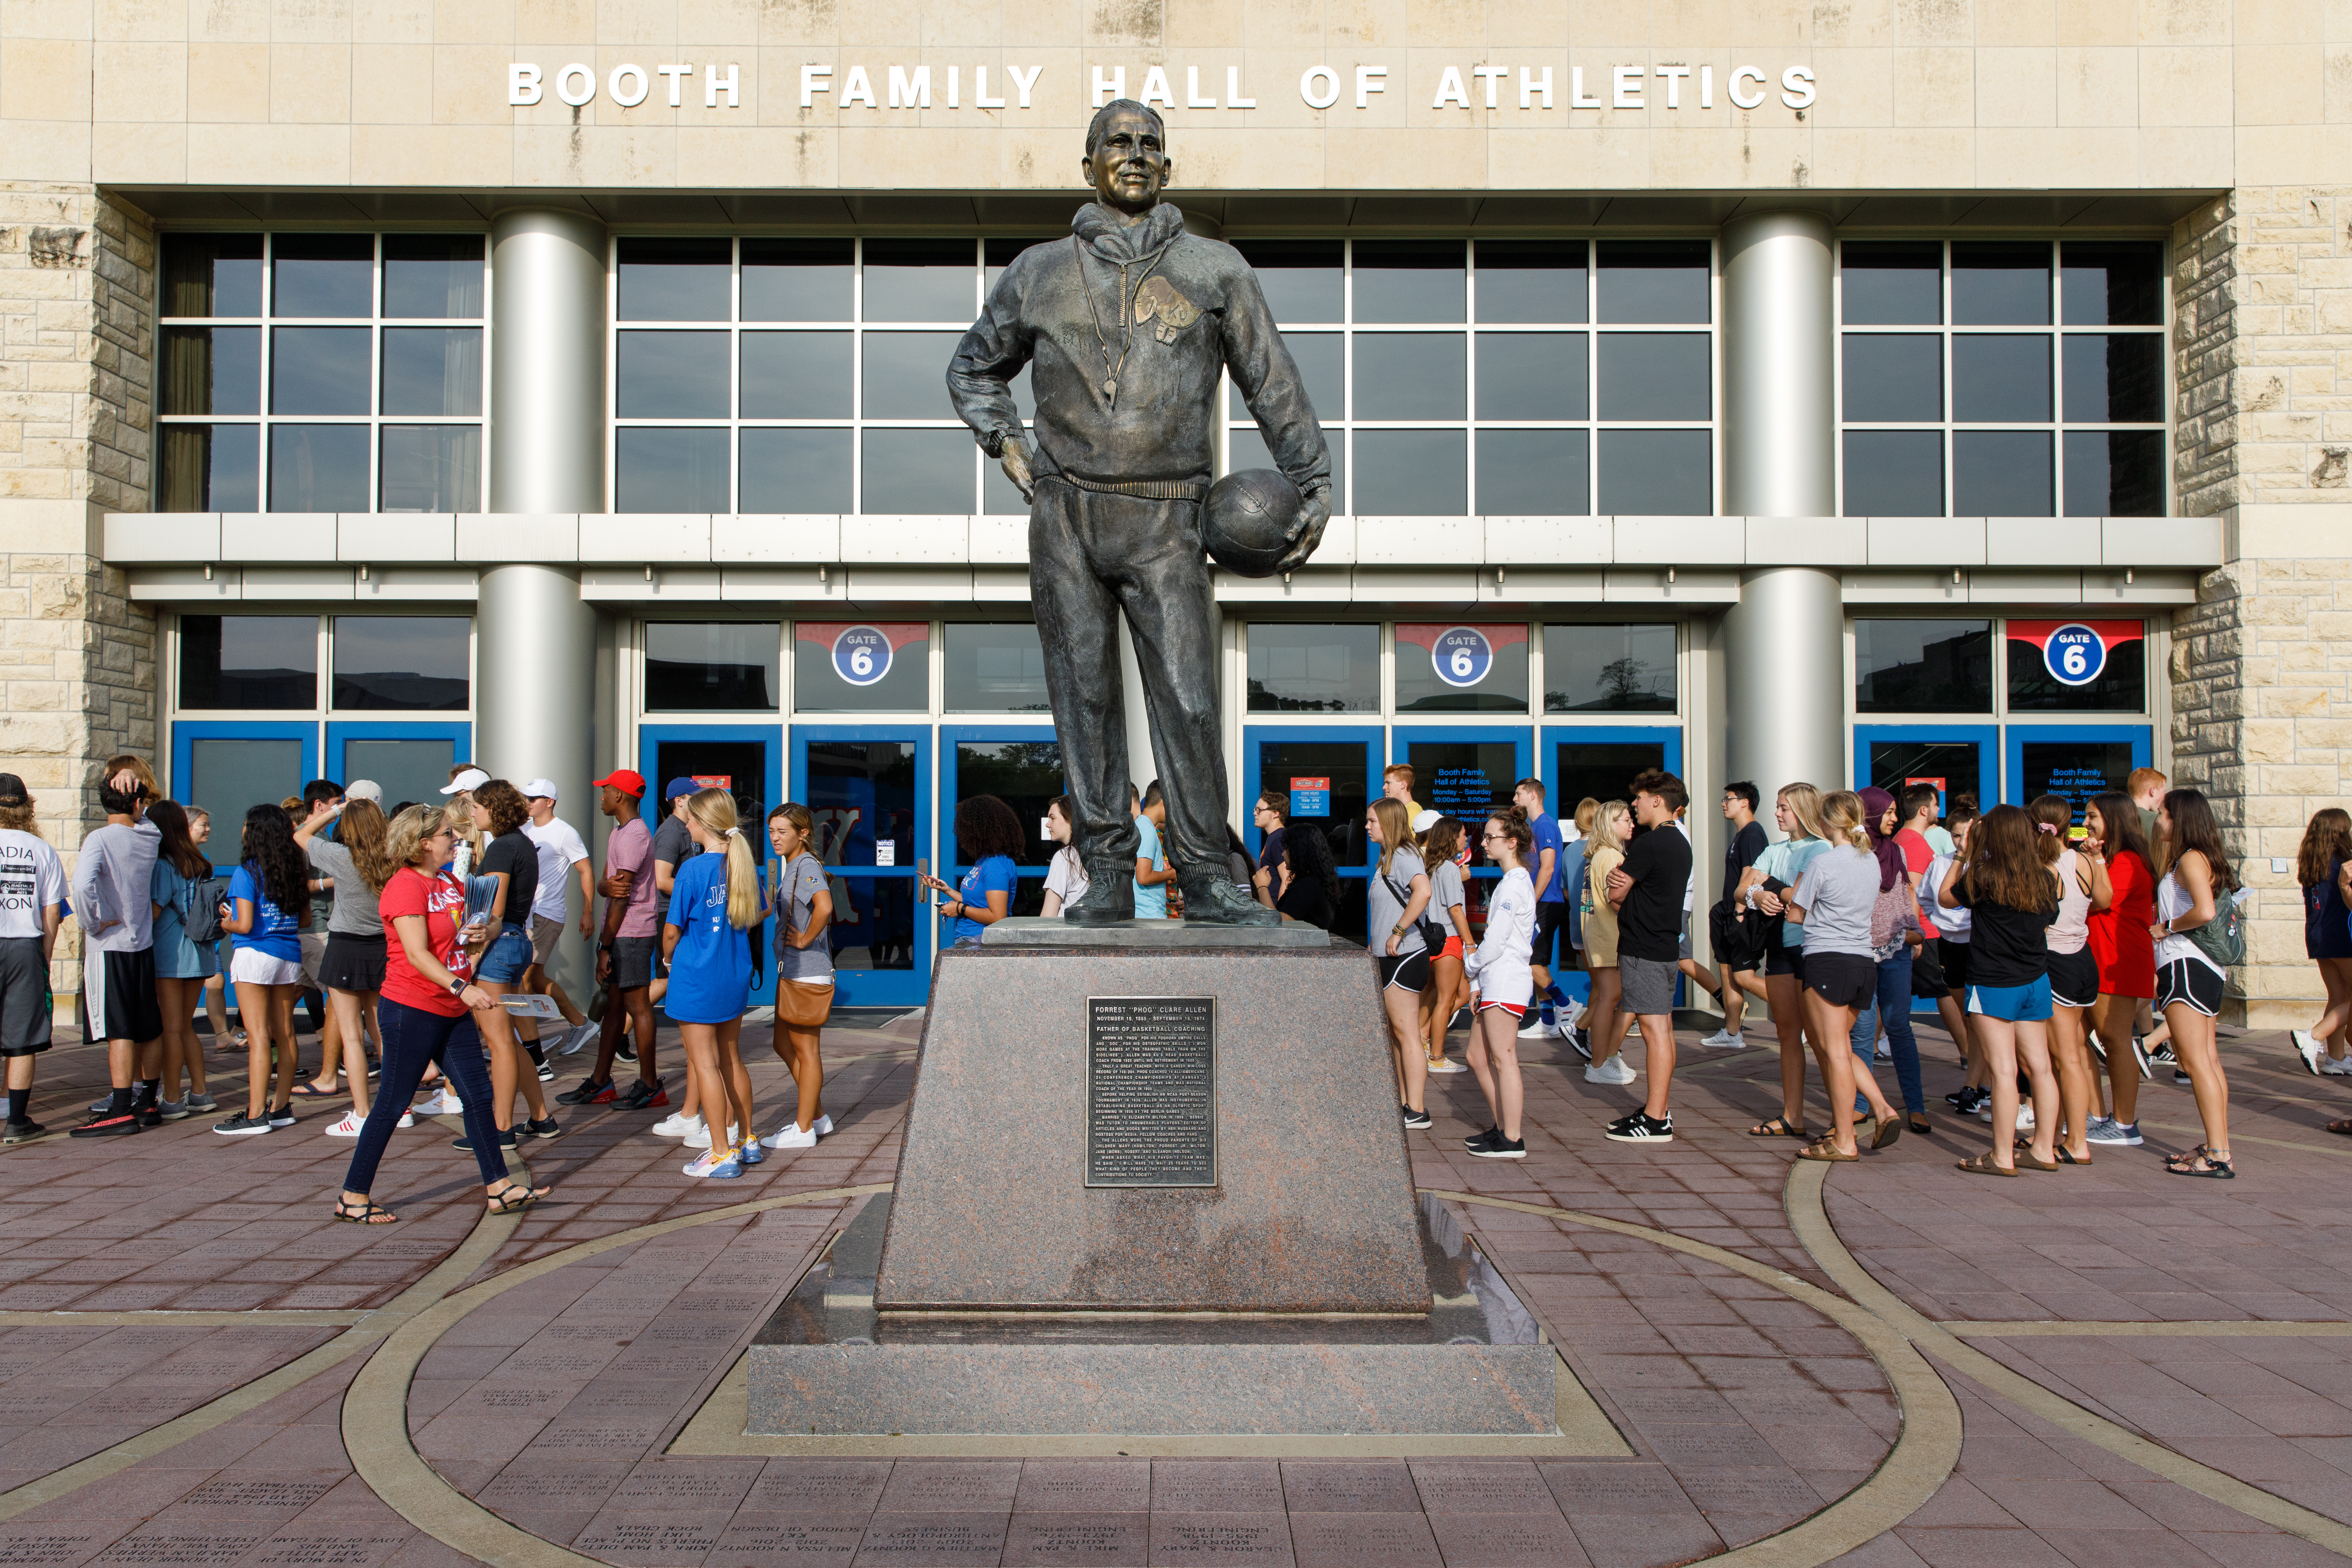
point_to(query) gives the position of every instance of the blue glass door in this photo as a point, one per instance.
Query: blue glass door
(1331, 774)
(1599, 761)
(1958, 759)
(226, 767)
(741, 759)
(1466, 772)
(869, 788)
(1021, 764)
(412, 761)
(2077, 760)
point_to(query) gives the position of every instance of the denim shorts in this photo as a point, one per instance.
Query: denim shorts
(2014, 1003)
(506, 957)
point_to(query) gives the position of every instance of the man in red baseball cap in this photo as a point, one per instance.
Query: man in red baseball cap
(624, 949)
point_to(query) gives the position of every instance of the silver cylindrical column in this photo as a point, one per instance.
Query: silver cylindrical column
(1784, 667)
(547, 363)
(1779, 424)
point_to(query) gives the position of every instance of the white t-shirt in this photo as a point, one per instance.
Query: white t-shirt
(1066, 876)
(560, 849)
(32, 878)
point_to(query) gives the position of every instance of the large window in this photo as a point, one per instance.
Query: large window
(1922, 667)
(712, 666)
(1609, 668)
(1299, 669)
(380, 664)
(249, 662)
(1499, 377)
(2002, 378)
(320, 373)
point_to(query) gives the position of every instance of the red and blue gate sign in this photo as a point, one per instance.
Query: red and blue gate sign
(2075, 652)
(860, 652)
(1460, 656)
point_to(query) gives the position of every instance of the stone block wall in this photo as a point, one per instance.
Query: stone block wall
(77, 353)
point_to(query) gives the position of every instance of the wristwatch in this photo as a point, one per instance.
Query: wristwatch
(458, 984)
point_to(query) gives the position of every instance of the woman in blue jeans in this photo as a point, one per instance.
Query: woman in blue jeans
(1895, 933)
(427, 1012)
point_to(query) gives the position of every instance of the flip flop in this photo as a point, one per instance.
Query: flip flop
(306, 1089)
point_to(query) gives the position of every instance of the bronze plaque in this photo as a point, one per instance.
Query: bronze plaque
(1152, 1091)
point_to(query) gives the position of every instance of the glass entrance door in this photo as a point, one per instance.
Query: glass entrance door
(869, 788)
(740, 759)
(1331, 774)
(1466, 773)
(1021, 766)
(1958, 759)
(228, 767)
(1600, 760)
(2077, 760)
(412, 761)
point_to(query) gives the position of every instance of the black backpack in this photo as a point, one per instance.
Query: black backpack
(200, 920)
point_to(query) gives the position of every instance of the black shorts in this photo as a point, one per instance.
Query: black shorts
(2074, 978)
(353, 964)
(1551, 918)
(119, 995)
(1410, 972)
(1728, 932)
(1843, 979)
(1928, 980)
(1781, 958)
(24, 997)
(1954, 957)
(2196, 984)
(633, 962)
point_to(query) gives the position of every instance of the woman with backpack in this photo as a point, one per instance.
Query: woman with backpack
(179, 889)
(1399, 896)
(2198, 936)
(708, 938)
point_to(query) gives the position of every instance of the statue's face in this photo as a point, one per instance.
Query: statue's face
(1129, 167)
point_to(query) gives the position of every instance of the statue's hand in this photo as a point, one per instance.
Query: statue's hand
(1306, 529)
(1015, 464)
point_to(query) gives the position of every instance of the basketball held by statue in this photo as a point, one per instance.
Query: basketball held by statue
(1247, 519)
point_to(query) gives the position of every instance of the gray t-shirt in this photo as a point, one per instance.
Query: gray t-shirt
(113, 878)
(798, 887)
(1444, 892)
(673, 842)
(354, 911)
(1838, 890)
(1387, 908)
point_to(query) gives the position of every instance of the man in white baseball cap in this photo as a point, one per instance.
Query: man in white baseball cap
(467, 781)
(561, 851)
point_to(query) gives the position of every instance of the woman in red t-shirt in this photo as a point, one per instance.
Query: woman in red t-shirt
(427, 1014)
(2126, 955)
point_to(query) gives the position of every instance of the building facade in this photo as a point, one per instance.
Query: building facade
(1870, 393)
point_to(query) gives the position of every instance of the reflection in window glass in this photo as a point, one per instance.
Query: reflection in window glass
(2074, 770)
(1892, 377)
(1413, 473)
(2114, 378)
(1894, 473)
(1025, 775)
(711, 666)
(1300, 277)
(1654, 280)
(1451, 668)
(2001, 376)
(1657, 473)
(433, 370)
(1892, 283)
(795, 375)
(318, 468)
(670, 468)
(1534, 473)
(1531, 280)
(796, 471)
(2119, 686)
(1297, 669)
(905, 374)
(995, 667)
(319, 370)
(1600, 769)
(1922, 667)
(1609, 668)
(322, 275)
(861, 667)
(1531, 375)
(248, 661)
(433, 277)
(670, 375)
(1411, 375)
(674, 280)
(410, 663)
(2112, 282)
(211, 275)
(412, 767)
(211, 370)
(2000, 283)
(925, 471)
(210, 468)
(2115, 473)
(2000, 473)
(796, 279)
(1654, 375)
(920, 281)
(999, 254)
(1952, 766)
(1321, 358)
(1410, 280)
(431, 468)
(228, 777)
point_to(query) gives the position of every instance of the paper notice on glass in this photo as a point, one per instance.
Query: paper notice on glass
(886, 852)
(523, 1004)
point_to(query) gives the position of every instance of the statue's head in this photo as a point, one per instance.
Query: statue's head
(1126, 155)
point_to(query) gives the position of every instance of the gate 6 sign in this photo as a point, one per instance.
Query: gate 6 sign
(861, 655)
(2075, 655)
(1461, 656)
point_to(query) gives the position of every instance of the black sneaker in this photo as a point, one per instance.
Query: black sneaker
(1582, 1040)
(1498, 1147)
(1640, 1128)
(1960, 1099)
(283, 1116)
(23, 1131)
(590, 1093)
(2180, 1079)
(1415, 1118)
(540, 1127)
(2147, 1063)
(149, 1114)
(642, 1095)
(2163, 1056)
(1477, 1142)
(506, 1141)
(546, 1072)
(625, 1051)
(107, 1124)
(242, 1126)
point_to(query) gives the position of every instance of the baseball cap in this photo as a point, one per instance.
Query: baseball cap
(12, 790)
(472, 778)
(628, 780)
(676, 787)
(1425, 822)
(537, 789)
(364, 789)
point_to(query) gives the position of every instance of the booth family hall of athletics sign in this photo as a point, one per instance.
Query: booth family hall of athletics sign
(1152, 1091)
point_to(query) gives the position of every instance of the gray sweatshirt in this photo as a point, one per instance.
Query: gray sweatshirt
(111, 879)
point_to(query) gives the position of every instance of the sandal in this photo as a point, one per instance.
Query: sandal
(2201, 1162)
(1985, 1165)
(1889, 1131)
(514, 1197)
(2344, 1127)
(306, 1089)
(2027, 1159)
(1781, 1127)
(367, 1211)
(1826, 1150)
(2066, 1158)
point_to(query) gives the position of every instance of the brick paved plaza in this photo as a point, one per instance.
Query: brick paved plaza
(1902, 1366)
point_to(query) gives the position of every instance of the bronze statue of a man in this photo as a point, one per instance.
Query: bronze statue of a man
(1125, 329)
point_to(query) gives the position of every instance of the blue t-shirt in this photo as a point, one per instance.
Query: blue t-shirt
(1151, 903)
(275, 932)
(710, 968)
(1547, 831)
(993, 875)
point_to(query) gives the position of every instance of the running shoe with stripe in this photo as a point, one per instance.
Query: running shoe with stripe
(2309, 1048)
(1642, 1128)
(642, 1095)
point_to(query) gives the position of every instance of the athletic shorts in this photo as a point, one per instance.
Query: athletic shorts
(1954, 957)
(1550, 918)
(2191, 983)
(1843, 979)
(1683, 948)
(251, 967)
(503, 961)
(24, 997)
(1782, 959)
(2074, 978)
(633, 961)
(1928, 979)
(1453, 948)
(1726, 933)
(353, 964)
(2016, 1004)
(119, 995)
(314, 954)
(1645, 985)
(1410, 972)
(1515, 1009)
(544, 934)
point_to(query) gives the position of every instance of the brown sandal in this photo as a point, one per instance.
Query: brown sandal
(1889, 1131)
(1984, 1165)
(1826, 1150)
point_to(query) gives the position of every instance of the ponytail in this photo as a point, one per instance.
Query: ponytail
(715, 810)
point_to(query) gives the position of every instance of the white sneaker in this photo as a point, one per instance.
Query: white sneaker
(2331, 1067)
(349, 1127)
(1616, 1070)
(1446, 1064)
(441, 1102)
(575, 1039)
(2309, 1048)
(678, 1124)
(790, 1136)
(1725, 1041)
(699, 1136)
(407, 1118)
(1537, 1029)
(1884, 1052)
(2025, 1119)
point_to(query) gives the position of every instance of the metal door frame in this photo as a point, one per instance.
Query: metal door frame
(890, 987)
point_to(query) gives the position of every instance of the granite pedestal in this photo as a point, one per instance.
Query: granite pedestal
(1283, 1281)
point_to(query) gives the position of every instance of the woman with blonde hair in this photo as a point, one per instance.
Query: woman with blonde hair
(1399, 895)
(2324, 866)
(707, 943)
(1604, 1027)
(352, 969)
(1834, 900)
(804, 971)
(1763, 887)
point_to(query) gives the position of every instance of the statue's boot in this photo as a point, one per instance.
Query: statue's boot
(1109, 898)
(1212, 900)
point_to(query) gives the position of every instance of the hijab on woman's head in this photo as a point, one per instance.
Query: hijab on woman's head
(1875, 804)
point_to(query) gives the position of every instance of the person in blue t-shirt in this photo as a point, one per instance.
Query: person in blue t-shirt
(268, 894)
(988, 834)
(1551, 908)
(716, 905)
(1152, 873)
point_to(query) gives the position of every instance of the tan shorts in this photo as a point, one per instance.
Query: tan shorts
(544, 934)
(314, 954)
